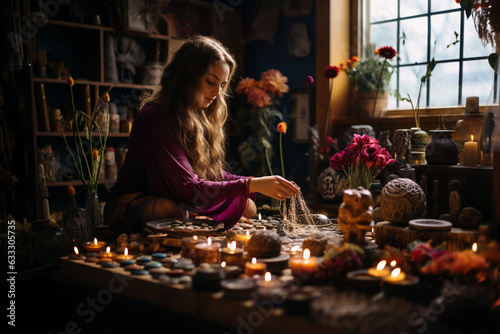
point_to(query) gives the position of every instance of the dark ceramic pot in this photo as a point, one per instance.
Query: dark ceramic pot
(441, 150)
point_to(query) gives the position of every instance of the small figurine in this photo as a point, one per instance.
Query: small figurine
(356, 215)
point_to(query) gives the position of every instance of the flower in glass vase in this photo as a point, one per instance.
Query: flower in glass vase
(85, 144)
(362, 161)
(260, 113)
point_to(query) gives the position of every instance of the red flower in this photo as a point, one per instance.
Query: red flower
(330, 141)
(309, 81)
(386, 52)
(336, 162)
(331, 72)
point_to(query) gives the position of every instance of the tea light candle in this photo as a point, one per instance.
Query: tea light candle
(380, 271)
(396, 276)
(207, 252)
(269, 288)
(269, 281)
(304, 267)
(107, 254)
(470, 152)
(238, 288)
(255, 268)
(124, 256)
(95, 246)
(207, 278)
(245, 238)
(77, 255)
(232, 256)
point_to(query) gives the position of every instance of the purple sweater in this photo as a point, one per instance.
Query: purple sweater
(157, 165)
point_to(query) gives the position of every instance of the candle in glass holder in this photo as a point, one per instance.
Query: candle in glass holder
(77, 255)
(304, 267)
(232, 256)
(380, 271)
(187, 246)
(206, 252)
(255, 268)
(470, 152)
(245, 238)
(124, 256)
(95, 246)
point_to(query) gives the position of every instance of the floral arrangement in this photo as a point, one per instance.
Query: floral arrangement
(362, 161)
(486, 15)
(337, 262)
(262, 97)
(88, 147)
(461, 263)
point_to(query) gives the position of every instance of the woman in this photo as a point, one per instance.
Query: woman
(175, 161)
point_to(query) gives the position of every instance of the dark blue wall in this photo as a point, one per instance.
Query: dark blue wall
(261, 56)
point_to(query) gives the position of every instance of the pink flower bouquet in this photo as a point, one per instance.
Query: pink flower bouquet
(362, 161)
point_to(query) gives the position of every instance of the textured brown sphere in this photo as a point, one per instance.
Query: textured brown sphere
(264, 244)
(402, 200)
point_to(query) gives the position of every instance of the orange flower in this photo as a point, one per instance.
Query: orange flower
(274, 81)
(282, 127)
(106, 97)
(354, 59)
(95, 154)
(245, 84)
(70, 81)
(341, 66)
(348, 63)
(71, 191)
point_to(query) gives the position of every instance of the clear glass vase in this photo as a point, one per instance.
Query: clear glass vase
(94, 217)
(75, 227)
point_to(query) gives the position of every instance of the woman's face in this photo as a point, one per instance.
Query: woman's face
(212, 83)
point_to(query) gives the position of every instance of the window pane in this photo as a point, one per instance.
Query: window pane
(393, 99)
(415, 48)
(439, 5)
(472, 45)
(409, 83)
(477, 80)
(384, 34)
(444, 85)
(413, 7)
(381, 10)
(443, 27)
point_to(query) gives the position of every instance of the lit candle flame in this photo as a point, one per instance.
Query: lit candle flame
(395, 273)
(307, 254)
(209, 241)
(471, 137)
(76, 250)
(95, 241)
(195, 237)
(267, 277)
(125, 252)
(373, 230)
(260, 216)
(381, 264)
(108, 249)
(228, 245)
(254, 260)
(223, 264)
(248, 233)
(393, 263)
(295, 248)
(233, 246)
(264, 228)
(474, 247)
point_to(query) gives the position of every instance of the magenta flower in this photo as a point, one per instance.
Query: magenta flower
(331, 72)
(309, 81)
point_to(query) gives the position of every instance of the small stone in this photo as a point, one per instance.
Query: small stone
(139, 272)
(470, 218)
(125, 263)
(159, 256)
(152, 264)
(185, 280)
(143, 259)
(109, 265)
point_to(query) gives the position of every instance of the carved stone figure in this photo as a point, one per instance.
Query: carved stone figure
(355, 216)
(331, 184)
(401, 146)
(402, 200)
(454, 200)
(383, 140)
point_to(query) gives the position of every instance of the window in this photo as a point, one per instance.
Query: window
(421, 30)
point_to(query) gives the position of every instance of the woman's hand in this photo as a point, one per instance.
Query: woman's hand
(273, 186)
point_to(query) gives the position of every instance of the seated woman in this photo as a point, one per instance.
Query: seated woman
(175, 163)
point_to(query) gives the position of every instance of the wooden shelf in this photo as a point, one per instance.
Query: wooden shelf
(70, 134)
(93, 83)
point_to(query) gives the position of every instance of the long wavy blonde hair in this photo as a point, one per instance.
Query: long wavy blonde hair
(200, 131)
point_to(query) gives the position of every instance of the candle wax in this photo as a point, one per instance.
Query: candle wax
(470, 153)
(258, 268)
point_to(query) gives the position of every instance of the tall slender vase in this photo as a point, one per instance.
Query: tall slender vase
(94, 217)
